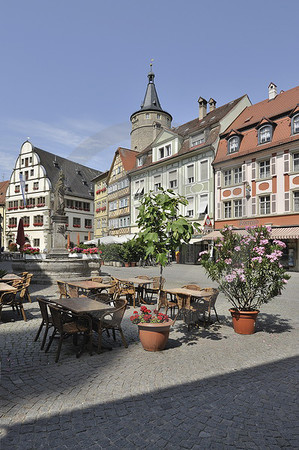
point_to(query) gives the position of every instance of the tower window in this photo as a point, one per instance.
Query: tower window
(147, 116)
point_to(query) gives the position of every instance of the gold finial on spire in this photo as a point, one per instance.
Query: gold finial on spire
(151, 63)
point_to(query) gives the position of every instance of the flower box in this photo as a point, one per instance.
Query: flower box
(88, 226)
(21, 207)
(37, 224)
(12, 226)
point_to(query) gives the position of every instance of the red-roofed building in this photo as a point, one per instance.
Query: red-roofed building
(118, 199)
(257, 169)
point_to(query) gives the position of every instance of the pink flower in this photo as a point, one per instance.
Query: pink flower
(228, 261)
(237, 249)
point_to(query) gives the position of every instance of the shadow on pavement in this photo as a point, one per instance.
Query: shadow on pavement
(251, 408)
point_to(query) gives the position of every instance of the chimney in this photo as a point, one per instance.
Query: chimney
(202, 107)
(272, 89)
(212, 104)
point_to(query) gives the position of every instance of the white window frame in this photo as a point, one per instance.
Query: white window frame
(295, 124)
(227, 177)
(264, 169)
(165, 151)
(198, 139)
(189, 211)
(227, 206)
(238, 208)
(233, 144)
(191, 179)
(265, 136)
(296, 161)
(265, 204)
(296, 201)
(206, 209)
(206, 161)
(238, 175)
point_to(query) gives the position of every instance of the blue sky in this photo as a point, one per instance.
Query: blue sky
(73, 71)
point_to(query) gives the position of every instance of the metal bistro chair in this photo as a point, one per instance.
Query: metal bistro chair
(7, 299)
(111, 321)
(82, 325)
(46, 320)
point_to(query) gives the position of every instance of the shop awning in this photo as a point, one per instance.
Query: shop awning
(285, 233)
(217, 234)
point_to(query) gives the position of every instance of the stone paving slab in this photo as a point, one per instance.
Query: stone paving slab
(210, 388)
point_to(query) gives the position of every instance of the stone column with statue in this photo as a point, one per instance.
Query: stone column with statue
(59, 219)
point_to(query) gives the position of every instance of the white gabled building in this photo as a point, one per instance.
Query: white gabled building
(40, 171)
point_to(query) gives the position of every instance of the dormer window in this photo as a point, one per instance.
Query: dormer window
(197, 140)
(265, 134)
(139, 161)
(165, 151)
(295, 124)
(233, 144)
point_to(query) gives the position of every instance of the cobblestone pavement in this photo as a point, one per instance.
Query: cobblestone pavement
(210, 388)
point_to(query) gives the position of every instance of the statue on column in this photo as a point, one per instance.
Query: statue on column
(59, 204)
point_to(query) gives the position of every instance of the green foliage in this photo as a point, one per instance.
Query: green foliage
(162, 228)
(247, 268)
(111, 252)
(127, 252)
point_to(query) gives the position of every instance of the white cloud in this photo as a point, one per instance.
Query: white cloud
(85, 141)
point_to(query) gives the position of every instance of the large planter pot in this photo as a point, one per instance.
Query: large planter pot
(154, 336)
(244, 321)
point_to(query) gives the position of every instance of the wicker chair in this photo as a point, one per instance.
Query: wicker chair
(195, 287)
(111, 321)
(167, 304)
(128, 291)
(141, 289)
(154, 289)
(46, 320)
(211, 301)
(74, 291)
(62, 286)
(7, 300)
(82, 325)
(27, 284)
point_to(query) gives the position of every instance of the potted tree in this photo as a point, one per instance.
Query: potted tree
(248, 272)
(162, 227)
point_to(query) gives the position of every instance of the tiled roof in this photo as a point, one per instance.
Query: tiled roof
(3, 189)
(282, 103)
(128, 157)
(78, 178)
(269, 109)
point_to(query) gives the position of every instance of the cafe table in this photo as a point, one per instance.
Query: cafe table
(184, 295)
(88, 285)
(4, 287)
(11, 277)
(82, 305)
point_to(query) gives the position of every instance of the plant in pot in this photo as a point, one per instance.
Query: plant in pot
(162, 227)
(153, 328)
(248, 272)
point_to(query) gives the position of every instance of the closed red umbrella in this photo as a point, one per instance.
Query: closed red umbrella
(20, 235)
(68, 241)
(89, 237)
(78, 239)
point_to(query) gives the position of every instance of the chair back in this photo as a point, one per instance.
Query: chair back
(156, 281)
(118, 314)
(73, 291)
(28, 279)
(101, 297)
(163, 302)
(214, 294)
(62, 289)
(97, 279)
(195, 287)
(44, 309)
(126, 288)
(143, 277)
(57, 314)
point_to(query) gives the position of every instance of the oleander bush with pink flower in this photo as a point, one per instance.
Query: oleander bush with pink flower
(247, 268)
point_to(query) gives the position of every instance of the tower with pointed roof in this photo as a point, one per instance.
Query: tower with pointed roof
(148, 121)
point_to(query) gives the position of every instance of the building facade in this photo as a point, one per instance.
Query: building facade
(30, 195)
(257, 170)
(100, 205)
(118, 188)
(3, 189)
(181, 159)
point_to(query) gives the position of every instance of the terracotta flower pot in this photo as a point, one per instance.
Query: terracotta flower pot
(244, 321)
(154, 336)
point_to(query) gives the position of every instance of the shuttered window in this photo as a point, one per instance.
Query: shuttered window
(190, 174)
(286, 162)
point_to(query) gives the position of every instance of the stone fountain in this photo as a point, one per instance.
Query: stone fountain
(56, 264)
